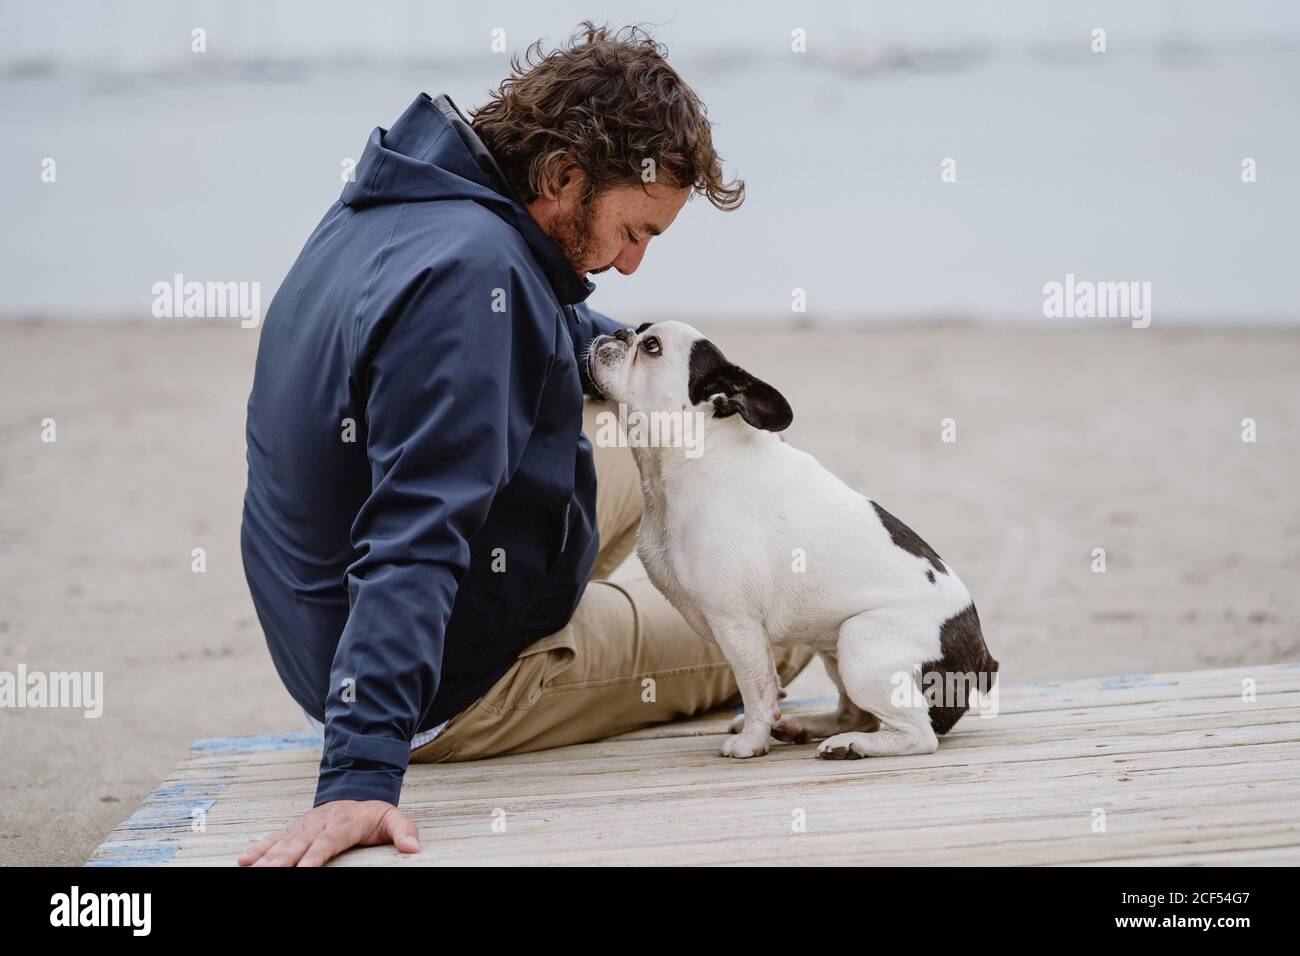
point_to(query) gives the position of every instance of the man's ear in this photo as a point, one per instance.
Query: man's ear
(559, 178)
(735, 390)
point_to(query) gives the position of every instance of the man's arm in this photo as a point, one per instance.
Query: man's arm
(448, 406)
(448, 414)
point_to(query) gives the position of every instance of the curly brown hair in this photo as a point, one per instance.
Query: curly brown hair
(605, 103)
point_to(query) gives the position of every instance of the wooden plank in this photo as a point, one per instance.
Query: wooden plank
(1224, 687)
(1230, 711)
(872, 821)
(1262, 856)
(1183, 769)
(684, 763)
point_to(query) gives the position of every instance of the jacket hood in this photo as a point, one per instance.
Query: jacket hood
(431, 153)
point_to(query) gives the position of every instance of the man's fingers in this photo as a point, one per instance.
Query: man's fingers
(324, 848)
(292, 842)
(255, 852)
(402, 830)
(286, 852)
(262, 846)
(327, 830)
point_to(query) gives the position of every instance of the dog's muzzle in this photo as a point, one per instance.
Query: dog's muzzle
(608, 351)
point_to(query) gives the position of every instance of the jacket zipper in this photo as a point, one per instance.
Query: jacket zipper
(564, 540)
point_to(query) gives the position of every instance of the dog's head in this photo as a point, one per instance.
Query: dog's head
(671, 367)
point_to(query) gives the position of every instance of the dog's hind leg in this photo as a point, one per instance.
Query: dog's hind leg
(801, 728)
(877, 657)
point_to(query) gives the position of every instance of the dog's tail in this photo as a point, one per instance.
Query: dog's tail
(966, 666)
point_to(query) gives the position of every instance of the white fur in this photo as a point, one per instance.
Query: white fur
(719, 538)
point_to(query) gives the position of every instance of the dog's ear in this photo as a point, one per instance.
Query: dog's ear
(735, 390)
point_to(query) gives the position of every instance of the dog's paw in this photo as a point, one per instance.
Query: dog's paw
(841, 747)
(784, 729)
(742, 746)
(790, 730)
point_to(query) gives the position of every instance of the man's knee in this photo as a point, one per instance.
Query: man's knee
(618, 487)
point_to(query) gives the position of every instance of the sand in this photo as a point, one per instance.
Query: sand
(1067, 440)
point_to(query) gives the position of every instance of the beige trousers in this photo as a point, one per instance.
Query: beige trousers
(626, 660)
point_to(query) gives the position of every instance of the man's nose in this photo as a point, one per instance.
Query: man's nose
(629, 258)
(625, 336)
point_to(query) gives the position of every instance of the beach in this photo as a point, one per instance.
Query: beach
(1068, 439)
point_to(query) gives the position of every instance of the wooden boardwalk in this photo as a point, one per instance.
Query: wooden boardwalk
(1179, 768)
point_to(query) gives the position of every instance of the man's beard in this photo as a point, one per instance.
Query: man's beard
(573, 234)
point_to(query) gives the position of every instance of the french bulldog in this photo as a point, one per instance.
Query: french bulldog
(757, 545)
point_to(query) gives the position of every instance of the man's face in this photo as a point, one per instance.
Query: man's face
(612, 230)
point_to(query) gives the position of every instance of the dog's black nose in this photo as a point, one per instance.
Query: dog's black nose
(625, 336)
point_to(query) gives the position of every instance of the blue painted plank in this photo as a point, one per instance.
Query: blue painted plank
(255, 743)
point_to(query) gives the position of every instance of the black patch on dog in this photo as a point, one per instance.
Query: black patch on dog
(907, 539)
(965, 665)
(757, 402)
(643, 326)
(707, 361)
(930, 575)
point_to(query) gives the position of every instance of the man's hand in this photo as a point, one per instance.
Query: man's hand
(329, 829)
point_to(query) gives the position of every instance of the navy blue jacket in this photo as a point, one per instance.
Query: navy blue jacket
(421, 500)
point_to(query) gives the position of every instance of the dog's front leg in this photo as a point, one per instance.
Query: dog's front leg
(747, 650)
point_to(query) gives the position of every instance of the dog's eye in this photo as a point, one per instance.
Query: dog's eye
(651, 346)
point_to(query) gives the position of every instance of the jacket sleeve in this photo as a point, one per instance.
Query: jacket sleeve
(588, 323)
(450, 396)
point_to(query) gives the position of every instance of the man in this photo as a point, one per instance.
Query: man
(424, 513)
